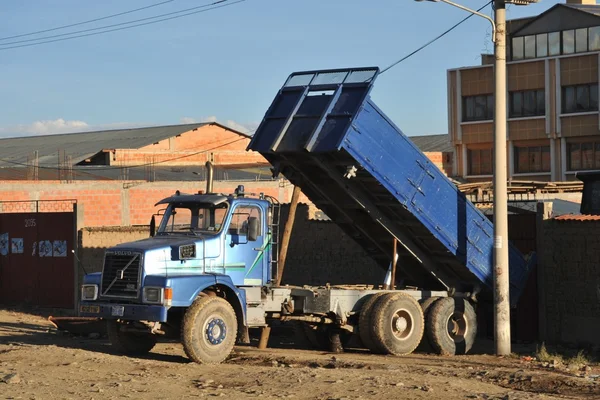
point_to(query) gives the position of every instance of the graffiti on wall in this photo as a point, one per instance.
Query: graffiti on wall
(43, 248)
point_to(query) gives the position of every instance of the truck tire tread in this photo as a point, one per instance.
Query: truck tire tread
(425, 345)
(364, 322)
(194, 347)
(382, 329)
(437, 321)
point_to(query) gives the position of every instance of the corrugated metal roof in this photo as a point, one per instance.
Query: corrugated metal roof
(570, 217)
(81, 145)
(517, 23)
(430, 143)
(593, 9)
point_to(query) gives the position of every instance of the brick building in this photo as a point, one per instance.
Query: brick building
(553, 119)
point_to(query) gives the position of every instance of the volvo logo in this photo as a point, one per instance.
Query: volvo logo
(122, 253)
(120, 274)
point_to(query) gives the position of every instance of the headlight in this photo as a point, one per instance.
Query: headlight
(89, 292)
(153, 295)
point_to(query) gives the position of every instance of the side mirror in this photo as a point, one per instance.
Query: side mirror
(252, 229)
(152, 227)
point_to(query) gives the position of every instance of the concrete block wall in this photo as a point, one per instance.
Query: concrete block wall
(570, 274)
(320, 252)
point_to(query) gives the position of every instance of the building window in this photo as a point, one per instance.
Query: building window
(554, 43)
(580, 98)
(517, 48)
(542, 45)
(594, 38)
(478, 108)
(582, 156)
(530, 46)
(479, 162)
(568, 42)
(581, 40)
(532, 159)
(527, 103)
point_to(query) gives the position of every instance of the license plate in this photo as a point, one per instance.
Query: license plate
(90, 309)
(117, 311)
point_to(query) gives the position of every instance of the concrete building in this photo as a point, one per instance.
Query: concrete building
(553, 119)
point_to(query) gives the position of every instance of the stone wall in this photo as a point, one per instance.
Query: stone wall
(570, 277)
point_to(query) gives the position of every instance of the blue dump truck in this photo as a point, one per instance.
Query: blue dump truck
(207, 273)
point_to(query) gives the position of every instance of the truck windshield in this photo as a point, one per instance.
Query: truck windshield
(192, 219)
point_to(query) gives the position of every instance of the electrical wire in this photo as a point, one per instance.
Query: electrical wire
(113, 25)
(92, 169)
(213, 6)
(433, 40)
(88, 21)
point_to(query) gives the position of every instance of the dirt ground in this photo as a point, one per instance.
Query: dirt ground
(39, 362)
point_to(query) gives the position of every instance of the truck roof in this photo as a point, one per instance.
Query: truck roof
(213, 199)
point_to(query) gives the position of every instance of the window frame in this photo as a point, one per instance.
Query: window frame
(485, 157)
(239, 227)
(556, 41)
(578, 147)
(575, 94)
(481, 101)
(539, 109)
(538, 150)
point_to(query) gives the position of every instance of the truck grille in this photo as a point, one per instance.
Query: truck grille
(121, 274)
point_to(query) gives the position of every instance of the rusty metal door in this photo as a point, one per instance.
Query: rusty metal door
(36, 262)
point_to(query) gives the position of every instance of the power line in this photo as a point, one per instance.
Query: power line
(433, 40)
(88, 21)
(113, 25)
(129, 166)
(212, 6)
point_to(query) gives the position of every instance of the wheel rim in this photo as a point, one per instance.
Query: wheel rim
(215, 331)
(457, 327)
(402, 324)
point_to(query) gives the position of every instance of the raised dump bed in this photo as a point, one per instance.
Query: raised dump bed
(325, 134)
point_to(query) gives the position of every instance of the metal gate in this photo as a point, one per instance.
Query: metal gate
(36, 259)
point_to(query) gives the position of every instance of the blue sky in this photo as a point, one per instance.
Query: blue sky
(227, 64)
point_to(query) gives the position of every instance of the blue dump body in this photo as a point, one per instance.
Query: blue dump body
(325, 134)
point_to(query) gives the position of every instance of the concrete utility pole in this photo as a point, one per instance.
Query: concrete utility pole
(501, 270)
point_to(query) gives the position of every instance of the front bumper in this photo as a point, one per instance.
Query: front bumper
(134, 312)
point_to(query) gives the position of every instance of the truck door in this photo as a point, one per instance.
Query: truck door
(245, 260)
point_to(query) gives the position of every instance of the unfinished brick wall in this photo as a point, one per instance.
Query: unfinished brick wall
(570, 273)
(126, 203)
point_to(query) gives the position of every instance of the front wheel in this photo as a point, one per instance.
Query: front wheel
(130, 343)
(209, 330)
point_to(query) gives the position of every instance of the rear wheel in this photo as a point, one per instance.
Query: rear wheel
(130, 343)
(452, 326)
(397, 324)
(209, 330)
(425, 345)
(365, 322)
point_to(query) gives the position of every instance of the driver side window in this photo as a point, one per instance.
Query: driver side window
(239, 220)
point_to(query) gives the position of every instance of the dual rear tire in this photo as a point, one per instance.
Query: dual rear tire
(395, 323)
(391, 323)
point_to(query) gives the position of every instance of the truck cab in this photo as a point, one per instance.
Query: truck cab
(208, 248)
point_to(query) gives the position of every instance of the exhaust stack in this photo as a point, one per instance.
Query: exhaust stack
(209, 177)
